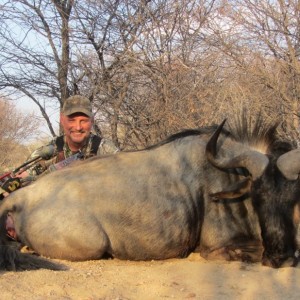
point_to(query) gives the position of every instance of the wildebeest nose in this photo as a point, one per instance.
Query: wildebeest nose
(289, 260)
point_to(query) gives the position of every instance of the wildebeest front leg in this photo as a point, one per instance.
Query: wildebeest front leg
(246, 252)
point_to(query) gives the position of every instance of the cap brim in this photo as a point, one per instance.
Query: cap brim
(77, 110)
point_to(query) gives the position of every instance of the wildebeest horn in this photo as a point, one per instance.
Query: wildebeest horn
(234, 190)
(254, 161)
(289, 164)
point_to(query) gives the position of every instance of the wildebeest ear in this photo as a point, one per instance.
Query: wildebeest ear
(234, 190)
(289, 164)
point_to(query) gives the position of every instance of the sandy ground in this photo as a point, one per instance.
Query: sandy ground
(189, 278)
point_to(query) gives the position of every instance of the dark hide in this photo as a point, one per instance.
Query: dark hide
(275, 199)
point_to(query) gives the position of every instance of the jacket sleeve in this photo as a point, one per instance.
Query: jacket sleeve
(48, 153)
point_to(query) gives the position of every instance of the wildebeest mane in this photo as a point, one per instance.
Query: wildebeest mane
(184, 133)
(254, 131)
(258, 133)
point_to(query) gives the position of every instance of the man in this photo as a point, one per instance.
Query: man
(77, 142)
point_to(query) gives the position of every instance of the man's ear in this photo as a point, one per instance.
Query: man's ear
(61, 118)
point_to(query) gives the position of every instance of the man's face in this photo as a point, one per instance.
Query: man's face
(76, 127)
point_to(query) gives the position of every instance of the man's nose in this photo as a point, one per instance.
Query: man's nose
(78, 125)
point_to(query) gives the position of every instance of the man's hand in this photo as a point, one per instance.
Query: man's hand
(23, 174)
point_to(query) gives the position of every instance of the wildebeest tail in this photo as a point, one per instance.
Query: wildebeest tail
(11, 259)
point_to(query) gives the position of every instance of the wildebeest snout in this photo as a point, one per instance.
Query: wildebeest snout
(289, 259)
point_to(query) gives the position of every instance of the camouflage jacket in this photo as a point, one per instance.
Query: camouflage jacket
(105, 147)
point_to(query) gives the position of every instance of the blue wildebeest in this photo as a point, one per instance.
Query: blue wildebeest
(231, 194)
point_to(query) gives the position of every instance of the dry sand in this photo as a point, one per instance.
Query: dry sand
(189, 278)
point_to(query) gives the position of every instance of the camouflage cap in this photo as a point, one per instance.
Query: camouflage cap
(76, 104)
